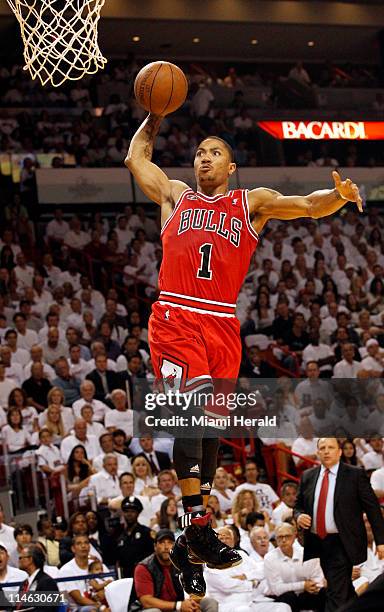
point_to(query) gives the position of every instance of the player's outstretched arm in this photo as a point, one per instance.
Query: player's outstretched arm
(150, 178)
(267, 204)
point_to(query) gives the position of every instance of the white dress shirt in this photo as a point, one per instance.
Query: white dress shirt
(99, 408)
(373, 460)
(91, 445)
(7, 539)
(105, 485)
(377, 479)
(305, 447)
(123, 463)
(290, 573)
(49, 372)
(344, 369)
(280, 512)
(241, 595)
(330, 524)
(120, 419)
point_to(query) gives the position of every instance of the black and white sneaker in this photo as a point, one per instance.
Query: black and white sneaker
(191, 575)
(204, 546)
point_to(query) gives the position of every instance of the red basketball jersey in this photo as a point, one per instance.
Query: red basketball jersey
(208, 243)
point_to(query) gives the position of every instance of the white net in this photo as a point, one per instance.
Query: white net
(60, 38)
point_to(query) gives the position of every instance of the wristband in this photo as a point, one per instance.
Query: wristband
(178, 605)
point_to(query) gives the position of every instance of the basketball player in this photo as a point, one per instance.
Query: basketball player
(208, 236)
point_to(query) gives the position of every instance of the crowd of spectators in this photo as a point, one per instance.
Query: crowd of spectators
(75, 357)
(94, 134)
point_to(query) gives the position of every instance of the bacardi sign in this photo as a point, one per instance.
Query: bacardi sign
(324, 130)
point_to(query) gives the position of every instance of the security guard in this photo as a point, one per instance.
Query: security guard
(136, 542)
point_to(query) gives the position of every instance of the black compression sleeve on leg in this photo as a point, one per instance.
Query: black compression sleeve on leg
(210, 447)
(187, 457)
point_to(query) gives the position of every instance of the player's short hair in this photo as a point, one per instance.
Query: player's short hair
(230, 151)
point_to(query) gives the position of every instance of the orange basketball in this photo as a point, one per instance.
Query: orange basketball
(161, 88)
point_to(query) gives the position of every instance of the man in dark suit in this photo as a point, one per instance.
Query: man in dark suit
(157, 460)
(329, 508)
(31, 560)
(106, 381)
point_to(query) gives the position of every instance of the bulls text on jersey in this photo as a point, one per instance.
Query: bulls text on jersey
(211, 221)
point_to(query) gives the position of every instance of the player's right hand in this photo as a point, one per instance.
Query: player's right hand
(304, 521)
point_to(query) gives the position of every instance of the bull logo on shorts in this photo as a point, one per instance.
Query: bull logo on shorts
(172, 375)
(170, 379)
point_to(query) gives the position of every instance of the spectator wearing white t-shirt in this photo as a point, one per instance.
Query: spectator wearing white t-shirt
(36, 354)
(374, 362)
(6, 386)
(8, 573)
(348, 367)
(266, 496)
(48, 455)
(15, 437)
(93, 427)
(80, 436)
(57, 228)
(78, 589)
(221, 489)
(18, 355)
(305, 445)
(12, 370)
(26, 338)
(78, 367)
(121, 417)
(75, 237)
(87, 392)
(319, 352)
(124, 234)
(284, 510)
(373, 460)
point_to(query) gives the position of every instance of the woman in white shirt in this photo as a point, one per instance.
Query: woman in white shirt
(145, 482)
(18, 399)
(244, 502)
(15, 436)
(54, 423)
(56, 397)
(222, 491)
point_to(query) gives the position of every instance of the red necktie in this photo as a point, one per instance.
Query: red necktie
(320, 519)
(24, 588)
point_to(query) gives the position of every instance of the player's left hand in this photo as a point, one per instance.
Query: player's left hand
(380, 551)
(348, 190)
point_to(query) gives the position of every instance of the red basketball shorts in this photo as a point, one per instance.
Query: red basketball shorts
(193, 348)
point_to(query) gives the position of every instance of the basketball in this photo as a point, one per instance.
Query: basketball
(161, 88)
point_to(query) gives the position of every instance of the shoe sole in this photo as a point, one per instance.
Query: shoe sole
(192, 558)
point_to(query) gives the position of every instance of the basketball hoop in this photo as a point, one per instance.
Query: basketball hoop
(60, 38)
